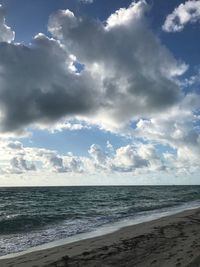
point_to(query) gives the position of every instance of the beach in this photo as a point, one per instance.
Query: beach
(169, 241)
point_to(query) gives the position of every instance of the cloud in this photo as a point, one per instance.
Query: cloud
(87, 1)
(20, 165)
(142, 158)
(131, 159)
(189, 12)
(96, 152)
(108, 74)
(127, 159)
(42, 85)
(136, 75)
(169, 144)
(127, 72)
(15, 145)
(69, 125)
(193, 81)
(125, 16)
(6, 34)
(16, 159)
(99, 157)
(60, 164)
(178, 130)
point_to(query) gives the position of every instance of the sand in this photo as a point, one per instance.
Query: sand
(170, 241)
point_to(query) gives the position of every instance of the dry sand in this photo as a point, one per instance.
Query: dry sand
(170, 241)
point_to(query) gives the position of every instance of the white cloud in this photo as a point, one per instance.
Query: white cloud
(131, 159)
(192, 81)
(177, 130)
(19, 165)
(19, 159)
(96, 152)
(60, 164)
(189, 12)
(15, 145)
(125, 17)
(6, 34)
(127, 159)
(69, 125)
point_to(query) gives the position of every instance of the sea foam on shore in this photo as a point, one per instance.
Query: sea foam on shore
(31, 217)
(169, 241)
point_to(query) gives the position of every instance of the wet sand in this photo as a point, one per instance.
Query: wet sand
(166, 242)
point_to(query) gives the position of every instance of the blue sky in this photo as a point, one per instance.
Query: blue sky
(130, 111)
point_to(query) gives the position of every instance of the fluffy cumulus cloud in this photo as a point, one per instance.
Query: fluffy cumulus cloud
(181, 157)
(134, 159)
(58, 163)
(19, 165)
(120, 80)
(126, 159)
(189, 12)
(19, 159)
(16, 159)
(136, 76)
(97, 154)
(179, 130)
(142, 158)
(6, 34)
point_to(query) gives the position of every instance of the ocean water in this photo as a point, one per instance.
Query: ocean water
(33, 216)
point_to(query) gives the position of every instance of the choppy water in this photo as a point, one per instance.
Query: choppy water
(34, 216)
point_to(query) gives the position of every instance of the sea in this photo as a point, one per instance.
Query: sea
(33, 216)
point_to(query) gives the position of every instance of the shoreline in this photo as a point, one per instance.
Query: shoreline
(105, 248)
(142, 217)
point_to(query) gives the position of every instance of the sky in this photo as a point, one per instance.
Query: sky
(99, 92)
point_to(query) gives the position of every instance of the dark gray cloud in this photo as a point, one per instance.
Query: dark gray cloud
(36, 85)
(128, 73)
